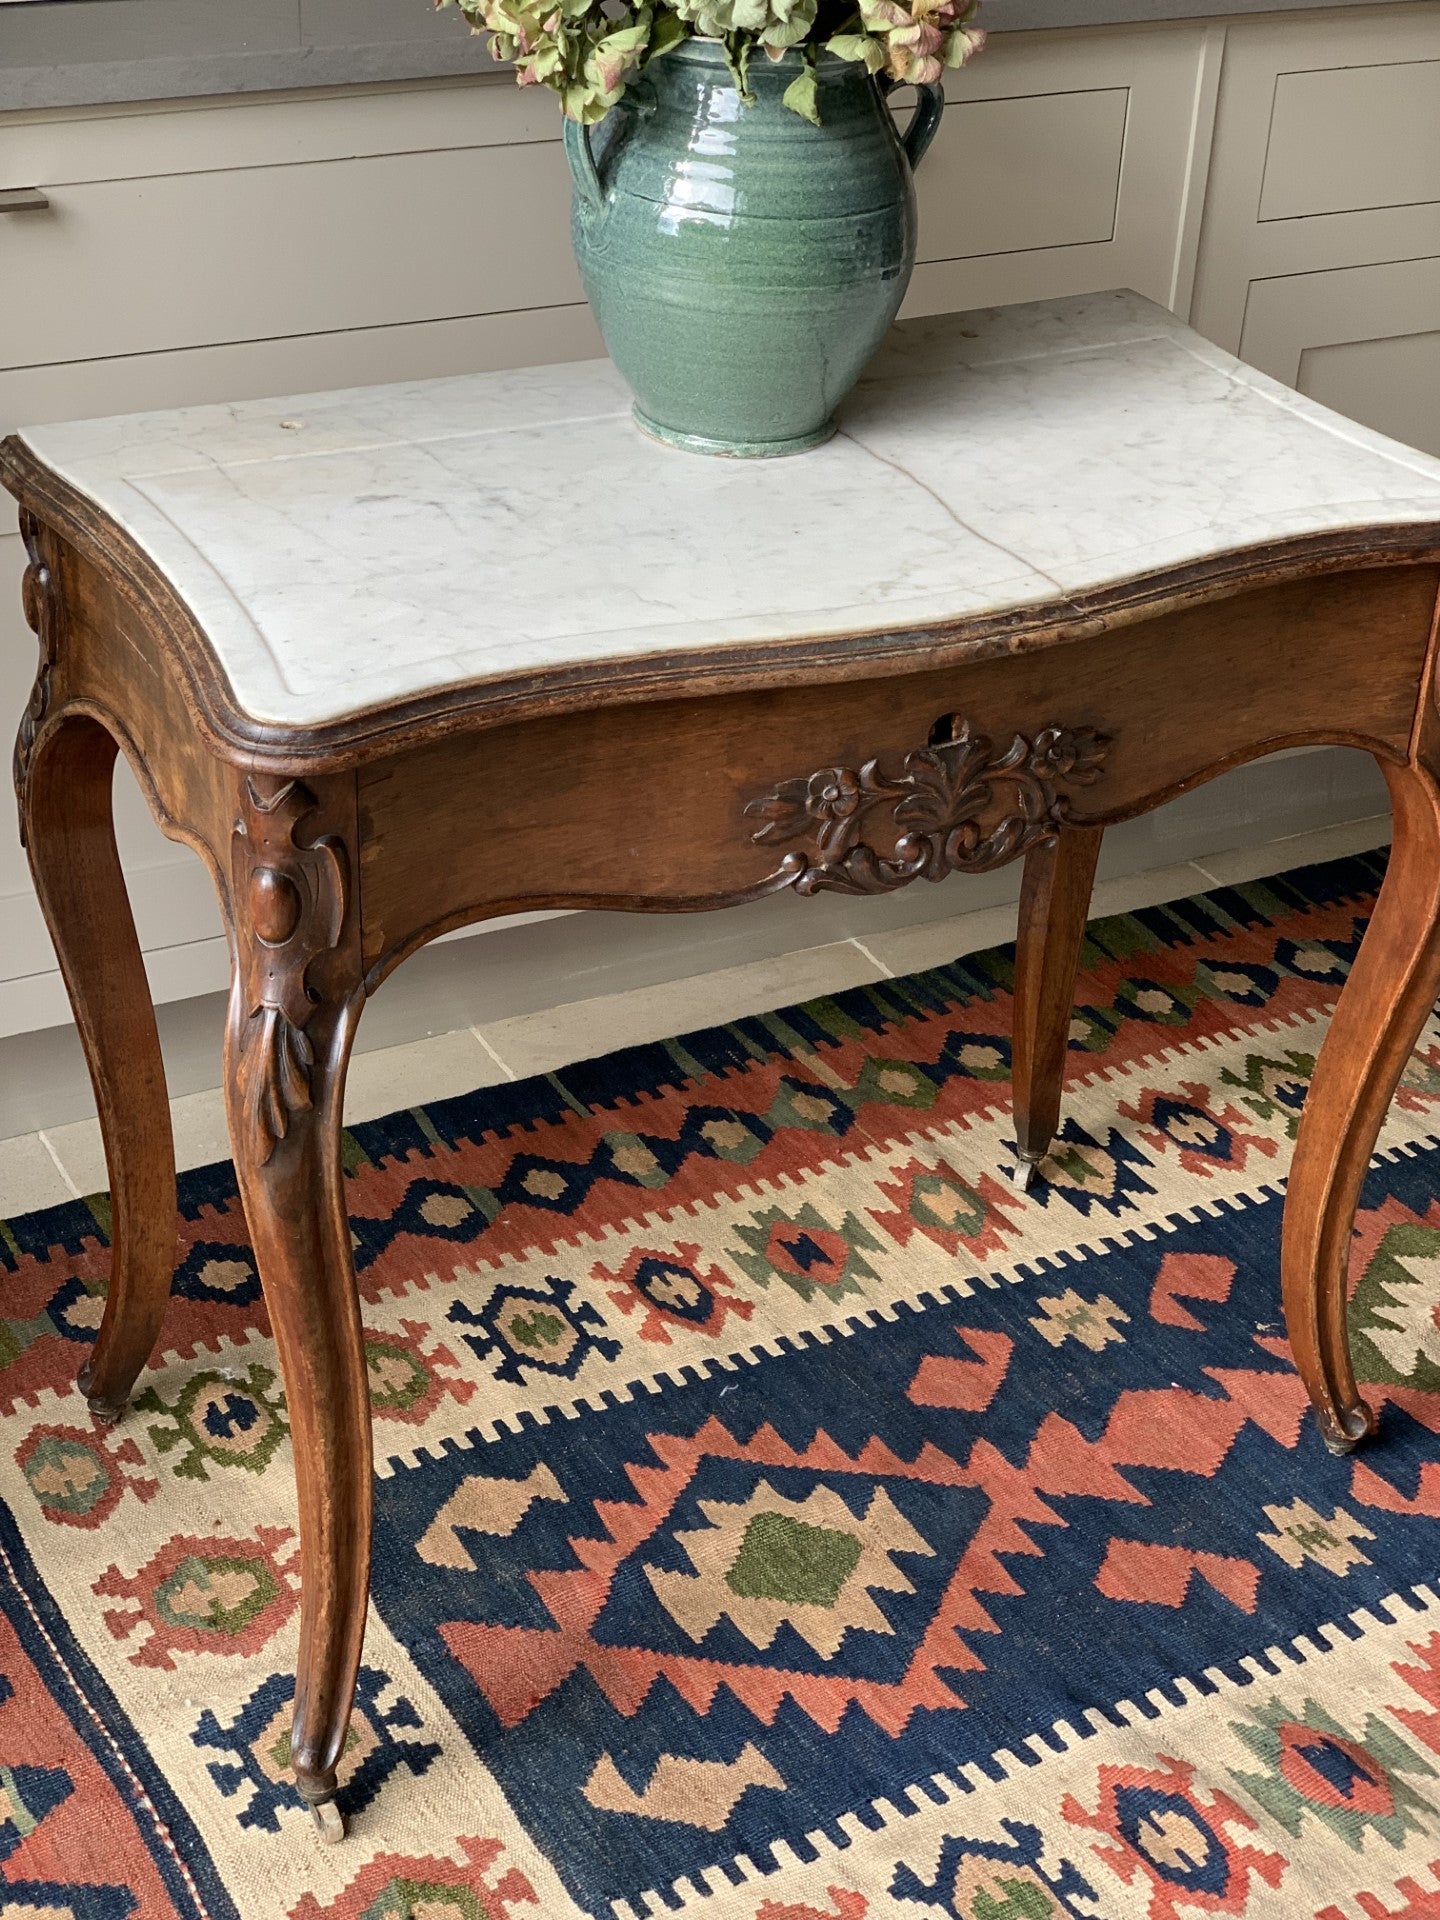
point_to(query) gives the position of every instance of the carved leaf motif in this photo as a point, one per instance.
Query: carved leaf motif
(289, 901)
(276, 1062)
(961, 806)
(41, 600)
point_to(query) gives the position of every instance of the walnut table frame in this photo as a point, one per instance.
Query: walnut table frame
(1063, 563)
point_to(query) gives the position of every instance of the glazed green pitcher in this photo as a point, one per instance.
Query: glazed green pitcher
(743, 263)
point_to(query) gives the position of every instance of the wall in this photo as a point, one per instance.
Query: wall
(229, 247)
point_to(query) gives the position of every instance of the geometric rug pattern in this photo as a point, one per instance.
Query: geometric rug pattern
(780, 1516)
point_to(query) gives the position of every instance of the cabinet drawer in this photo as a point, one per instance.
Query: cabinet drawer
(1007, 175)
(1364, 340)
(1326, 157)
(1353, 138)
(174, 261)
(185, 260)
(1392, 385)
(297, 363)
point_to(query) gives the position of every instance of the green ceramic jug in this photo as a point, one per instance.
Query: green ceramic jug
(743, 263)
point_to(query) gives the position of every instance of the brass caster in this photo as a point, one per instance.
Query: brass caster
(1344, 1436)
(329, 1822)
(1024, 1174)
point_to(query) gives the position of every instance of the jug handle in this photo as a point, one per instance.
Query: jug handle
(924, 122)
(583, 170)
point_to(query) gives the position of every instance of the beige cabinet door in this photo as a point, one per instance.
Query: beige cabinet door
(1326, 155)
(1069, 163)
(1364, 340)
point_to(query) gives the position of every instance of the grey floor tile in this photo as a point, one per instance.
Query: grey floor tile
(385, 1081)
(438, 1068)
(915, 949)
(541, 1042)
(1233, 869)
(79, 1150)
(29, 1177)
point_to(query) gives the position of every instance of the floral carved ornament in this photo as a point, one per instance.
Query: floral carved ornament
(961, 805)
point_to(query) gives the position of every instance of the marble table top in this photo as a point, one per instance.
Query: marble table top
(348, 550)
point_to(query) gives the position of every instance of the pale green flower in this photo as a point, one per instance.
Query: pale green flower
(774, 25)
(574, 47)
(605, 67)
(913, 41)
(588, 51)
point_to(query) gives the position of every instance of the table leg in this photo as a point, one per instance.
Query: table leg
(65, 783)
(295, 1002)
(1385, 1002)
(1054, 905)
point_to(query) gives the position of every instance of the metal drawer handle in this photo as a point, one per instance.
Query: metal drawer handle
(23, 200)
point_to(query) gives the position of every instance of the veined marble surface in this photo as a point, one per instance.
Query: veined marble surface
(344, 550)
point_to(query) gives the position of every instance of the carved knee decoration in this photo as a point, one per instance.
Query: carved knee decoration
(44, 612)
(290, 900)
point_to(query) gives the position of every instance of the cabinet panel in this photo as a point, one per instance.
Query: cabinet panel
(134, 266)
(1352, 138)
(1326, 155)
(1360, 339)
(1068, 163)
(269, 228)
(303, 363)
(138, 142)
(1052, 167)
(1392, 385)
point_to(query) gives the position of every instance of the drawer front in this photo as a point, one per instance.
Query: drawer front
(172, 262)
(185, 260)
(1363, 340)
(1050, 164)
(1353, 138)
(1058, 169)
(261, 130)
(613, 824)
(1326, 157)
(1392, 385)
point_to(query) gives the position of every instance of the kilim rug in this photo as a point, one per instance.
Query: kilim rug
(780, 1517)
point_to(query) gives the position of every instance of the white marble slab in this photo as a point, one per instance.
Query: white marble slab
(344, 550)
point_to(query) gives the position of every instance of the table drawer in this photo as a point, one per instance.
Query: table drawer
(615, 822)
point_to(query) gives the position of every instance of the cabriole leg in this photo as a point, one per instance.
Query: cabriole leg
(1054, 905)
(64, 778)
(1384, 1004)
(294, 1005)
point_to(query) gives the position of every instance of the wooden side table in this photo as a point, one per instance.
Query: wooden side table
(396, 660)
